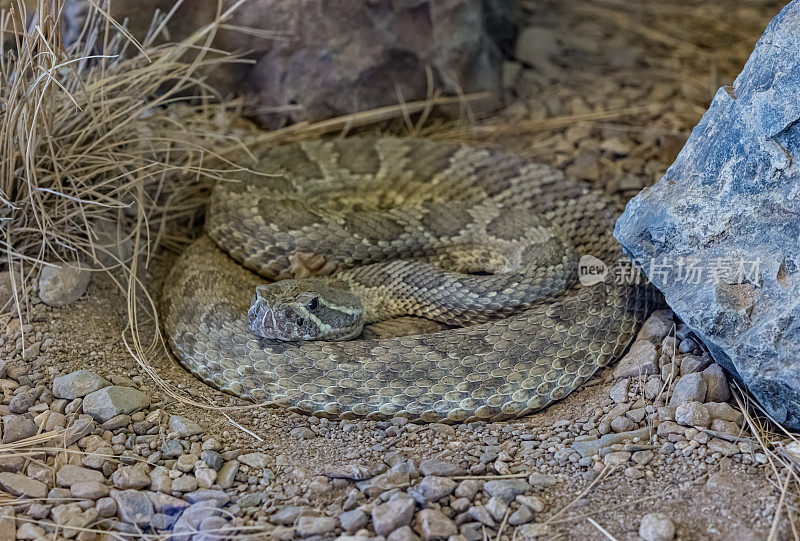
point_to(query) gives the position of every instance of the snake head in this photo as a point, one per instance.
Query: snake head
(296, 310)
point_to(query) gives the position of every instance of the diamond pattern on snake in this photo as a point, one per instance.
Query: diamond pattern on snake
(372, 278)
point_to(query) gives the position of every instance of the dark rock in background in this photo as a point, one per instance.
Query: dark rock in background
(730, 207)
(332, 57)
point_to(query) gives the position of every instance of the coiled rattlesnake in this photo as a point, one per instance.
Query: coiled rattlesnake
(338, 205)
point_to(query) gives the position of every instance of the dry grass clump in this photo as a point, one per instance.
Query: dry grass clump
(103, 143)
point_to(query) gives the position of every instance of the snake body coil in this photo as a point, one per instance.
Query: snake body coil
(322, 206)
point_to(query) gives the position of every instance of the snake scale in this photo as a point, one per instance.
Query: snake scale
(336, 205)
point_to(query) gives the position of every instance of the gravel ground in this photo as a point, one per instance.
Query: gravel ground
(650, 449)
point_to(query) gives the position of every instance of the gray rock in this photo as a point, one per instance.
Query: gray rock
(184, 427)
(70, 474)
(164, 503)
(459, 505)
(308, 526)
(718, 425)
(185, 462)
(171, 449)
(23, 401)
(106, 507)
(89, 490)
(725, 448)
(205, 477)
(656, 327)
(544, 480)
(687, 345)
(160, 481)
(434, 526)
(355, 472)
(219, 497)
(717, 386)
(403, 533)
(39, 511)
(670, 371)
(694, 363)
(12, 464)
(289, 515)
(692, 414)
(523, 515)
(184, 483)
(61, 284)
(80, 428)
(619, 392)
(191, 519)
(19, 485)
(160, 521)
(656, 527)
(133, 506)
(472, 531)
(213, 459)
(227, 474)
(58, 495)
(652, 388)
(109, 402)
(669, 346)
(302, 433)
(8, 524)
(352, 500)
(255, 460)
(131, 477)
(727, 207)
(77, 384)
(468, 488)
(212, 525)
(434, 466)
(393, 514)
(434, 488)
(668, 427)
(29, 530)
(350, 56)
(690, 388)
(724, 411)
(616, 458)
(641, 360)
(481, 514)
(643, 457)
(506, 489)
(251, 500)
(18, 427)
(394, 478)
(636, 415)
(497, 508)
(71, 517)
(666, 413)
(529, 532)
(117, 421)
(622, 424)
(532, 502)
(352, 521)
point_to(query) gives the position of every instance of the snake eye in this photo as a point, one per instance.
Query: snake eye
(300, 321)
(313, 304)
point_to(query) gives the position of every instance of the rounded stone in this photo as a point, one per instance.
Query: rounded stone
(657, 527)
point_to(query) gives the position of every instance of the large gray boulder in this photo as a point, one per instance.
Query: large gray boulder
(322, 58)
(720, 233)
